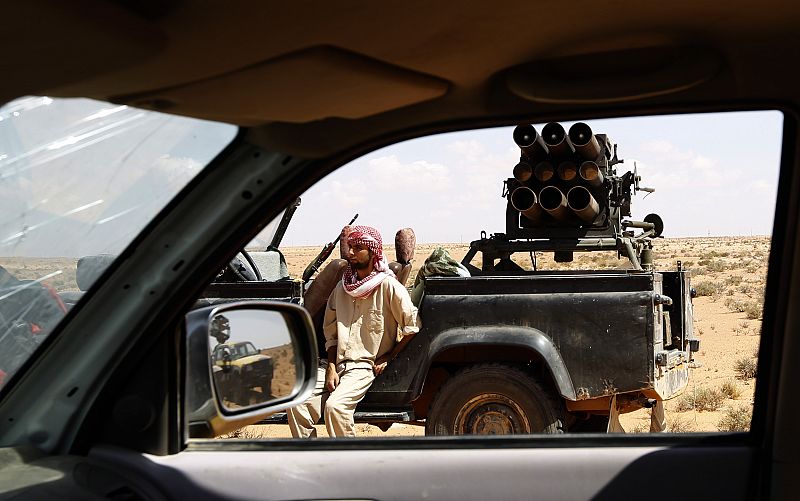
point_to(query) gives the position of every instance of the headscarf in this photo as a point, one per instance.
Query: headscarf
(371, 239)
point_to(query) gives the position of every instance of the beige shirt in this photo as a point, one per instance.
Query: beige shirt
(364, 329)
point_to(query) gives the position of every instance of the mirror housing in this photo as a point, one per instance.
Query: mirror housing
(207, 416)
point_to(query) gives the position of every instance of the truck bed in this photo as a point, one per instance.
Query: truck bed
(602, 327)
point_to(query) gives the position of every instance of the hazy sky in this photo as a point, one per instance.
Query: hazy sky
(714, 174)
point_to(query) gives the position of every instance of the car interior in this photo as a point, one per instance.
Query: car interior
(311, 87)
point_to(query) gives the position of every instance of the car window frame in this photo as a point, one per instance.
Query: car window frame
(314, 170)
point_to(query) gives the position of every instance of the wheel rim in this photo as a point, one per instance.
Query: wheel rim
(491, 414)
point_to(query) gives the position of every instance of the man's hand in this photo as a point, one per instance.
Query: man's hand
(380, 364)
(331, 378)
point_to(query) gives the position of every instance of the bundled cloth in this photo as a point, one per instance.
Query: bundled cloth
(438, 264)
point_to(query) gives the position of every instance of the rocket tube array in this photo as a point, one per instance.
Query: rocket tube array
(558, 175)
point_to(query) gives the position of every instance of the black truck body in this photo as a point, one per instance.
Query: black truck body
(592, 334)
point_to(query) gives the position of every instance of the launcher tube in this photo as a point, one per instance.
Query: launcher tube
(525, 201)
(555, 137)
(582, 138)
(529, 141)
(591, 173)
(582, 203)
(554, 202)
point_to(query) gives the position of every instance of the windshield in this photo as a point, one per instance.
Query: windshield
(79, 179)
(244, 350)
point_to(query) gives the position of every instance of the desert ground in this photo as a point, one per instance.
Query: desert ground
(728, 272)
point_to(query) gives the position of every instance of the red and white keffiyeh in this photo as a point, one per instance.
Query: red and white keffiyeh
(371, 239)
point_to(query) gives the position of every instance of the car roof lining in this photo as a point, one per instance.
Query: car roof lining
(305, 85)
(317, 79)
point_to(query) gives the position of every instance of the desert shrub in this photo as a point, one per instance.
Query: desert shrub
(685, 403)
(735, 419)
(733, 280)
(676, 424)
(246, 433)
(715, 266)
(751, 309)
(708, 399)
(742, 328)
(745, 368)
(639, 428)
(707, 288)
(730, 389)
(701, 399)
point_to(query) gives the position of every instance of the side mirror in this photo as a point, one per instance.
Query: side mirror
(244, 362)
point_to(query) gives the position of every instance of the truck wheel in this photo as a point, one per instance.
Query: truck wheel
(493, 399)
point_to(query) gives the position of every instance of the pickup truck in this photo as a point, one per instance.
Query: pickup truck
(540, 351)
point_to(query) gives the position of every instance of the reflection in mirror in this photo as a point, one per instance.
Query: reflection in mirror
(252, 357)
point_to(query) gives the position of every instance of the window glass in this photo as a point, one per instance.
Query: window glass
(546, 341)
(79, 179)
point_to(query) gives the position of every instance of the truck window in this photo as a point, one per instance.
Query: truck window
(603, 276)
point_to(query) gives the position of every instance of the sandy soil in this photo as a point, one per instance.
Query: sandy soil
(729, 273)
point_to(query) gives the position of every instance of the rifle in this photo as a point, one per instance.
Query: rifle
(323, 255)
(284, 224)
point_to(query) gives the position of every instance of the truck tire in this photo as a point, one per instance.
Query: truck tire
(493, 399)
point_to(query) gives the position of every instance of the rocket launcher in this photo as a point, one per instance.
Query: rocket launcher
(565, 195)
(566, 184)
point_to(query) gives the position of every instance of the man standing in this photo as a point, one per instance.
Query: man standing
(368, 320)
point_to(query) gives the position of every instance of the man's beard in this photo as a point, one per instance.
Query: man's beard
(360, 266)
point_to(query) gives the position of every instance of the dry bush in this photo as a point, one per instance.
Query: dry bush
(733, 280)
(701, 399)
(736, 419)
(676, 424)
(752, 309)
(745, 368)
(742, 329)
(730, 389)
(246, 433)
(715, 266)
(707, 288)
(639, 428)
